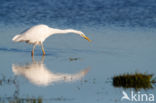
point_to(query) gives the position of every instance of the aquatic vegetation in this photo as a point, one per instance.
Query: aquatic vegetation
(136, 81)
(15, 97)
(25, 100)
(5, 80)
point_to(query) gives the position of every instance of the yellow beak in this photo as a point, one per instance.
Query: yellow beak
(86, 38)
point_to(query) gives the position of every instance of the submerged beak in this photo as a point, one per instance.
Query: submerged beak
(86, 38)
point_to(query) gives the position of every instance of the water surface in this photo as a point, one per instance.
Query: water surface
(74, 70)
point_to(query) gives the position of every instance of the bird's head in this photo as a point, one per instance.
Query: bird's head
(85, 37)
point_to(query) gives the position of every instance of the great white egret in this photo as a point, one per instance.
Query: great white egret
(37, 34)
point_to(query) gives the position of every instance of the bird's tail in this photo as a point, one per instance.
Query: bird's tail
(16, 38)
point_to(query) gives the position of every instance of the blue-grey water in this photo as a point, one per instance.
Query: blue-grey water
(123, 38)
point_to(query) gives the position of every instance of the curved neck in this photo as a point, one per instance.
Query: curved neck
(59, 31)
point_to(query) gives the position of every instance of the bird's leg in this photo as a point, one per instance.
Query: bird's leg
(42, 61)
(43, 49)
(32, 53)
(33, 59)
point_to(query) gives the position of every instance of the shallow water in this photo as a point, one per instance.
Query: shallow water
(74, 70)
(113, 51)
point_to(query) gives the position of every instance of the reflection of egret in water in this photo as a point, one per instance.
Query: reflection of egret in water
(37, 73)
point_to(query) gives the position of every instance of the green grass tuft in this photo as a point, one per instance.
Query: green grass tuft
(136, 81)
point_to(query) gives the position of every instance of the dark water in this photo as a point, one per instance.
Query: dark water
(74, 70)
(79, 12)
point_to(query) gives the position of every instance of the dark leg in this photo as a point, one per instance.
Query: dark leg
(32, 53)
(43, 49)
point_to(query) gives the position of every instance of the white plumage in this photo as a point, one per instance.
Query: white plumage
(36, 35)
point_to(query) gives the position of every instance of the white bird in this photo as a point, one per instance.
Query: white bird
(38, 74)
(37, 34)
